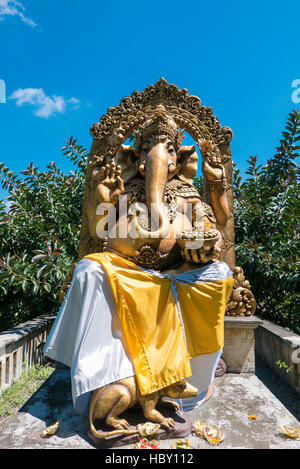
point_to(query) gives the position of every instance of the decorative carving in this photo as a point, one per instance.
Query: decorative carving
(217, 185)
(242, 301)
(210, 150)
(137, 188)
(171, 201)
(186, 110)
(226, 245)
(209, 213)
(182, 189)
(148, 257)
(151, 258)
(161, 123)
(96, 161)
(131, 116)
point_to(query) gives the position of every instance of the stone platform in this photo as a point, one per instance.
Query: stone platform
(236, 396)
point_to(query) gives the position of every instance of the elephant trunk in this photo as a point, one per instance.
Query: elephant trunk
(156, 175)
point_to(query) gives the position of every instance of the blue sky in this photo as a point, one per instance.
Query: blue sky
(64, 62)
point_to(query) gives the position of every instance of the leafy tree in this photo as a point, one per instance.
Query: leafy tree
(39, 236)
(199, 184)
(266, 208)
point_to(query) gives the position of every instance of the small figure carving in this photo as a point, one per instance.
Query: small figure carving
(108, 402)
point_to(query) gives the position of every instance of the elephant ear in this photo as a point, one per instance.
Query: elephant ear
(127, 159)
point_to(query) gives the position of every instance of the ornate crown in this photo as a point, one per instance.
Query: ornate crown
(161, 123)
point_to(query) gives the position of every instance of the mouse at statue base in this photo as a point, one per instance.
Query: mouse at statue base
(108, 402)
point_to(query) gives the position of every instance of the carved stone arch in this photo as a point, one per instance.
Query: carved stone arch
(123, 120)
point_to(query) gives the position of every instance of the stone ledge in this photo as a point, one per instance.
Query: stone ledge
(22, 344)
(18, 333)
(274, 343)
(241, 322)
(285, 335)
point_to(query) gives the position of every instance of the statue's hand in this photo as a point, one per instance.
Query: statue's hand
(212, 166)
(110, 185)
(200, 256)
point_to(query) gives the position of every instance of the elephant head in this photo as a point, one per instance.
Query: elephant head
(157, 157)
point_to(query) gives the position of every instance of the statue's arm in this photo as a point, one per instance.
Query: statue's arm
(214, 174)
(218, 200)
(93, 218)
(107, 186)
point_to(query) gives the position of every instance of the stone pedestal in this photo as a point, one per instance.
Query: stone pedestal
(183, 427)
(239, 343)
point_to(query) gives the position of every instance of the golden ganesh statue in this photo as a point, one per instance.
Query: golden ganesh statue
(146, 304)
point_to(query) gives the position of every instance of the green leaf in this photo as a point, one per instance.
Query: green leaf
(41, 270)
(47, 287)
(39, 257)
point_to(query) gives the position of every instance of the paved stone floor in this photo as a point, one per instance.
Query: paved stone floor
(234, 399)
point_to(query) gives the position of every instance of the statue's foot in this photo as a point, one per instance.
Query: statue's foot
(170, 405)
(118, 424)
(168, 423)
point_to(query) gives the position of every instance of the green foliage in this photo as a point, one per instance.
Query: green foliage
(39, 236)
(199, 184)
(288, 368)
(284, 365)
(266, 209)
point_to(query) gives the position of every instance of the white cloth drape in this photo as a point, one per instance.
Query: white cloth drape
(87, 335)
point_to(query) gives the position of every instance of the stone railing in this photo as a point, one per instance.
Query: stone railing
(22, 346)
(244, 336)
(280, 349)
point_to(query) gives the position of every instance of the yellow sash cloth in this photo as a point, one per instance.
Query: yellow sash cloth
(159, 346)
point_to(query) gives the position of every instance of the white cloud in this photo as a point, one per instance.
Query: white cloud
(75, 102)
(45, 106)
(14, 8)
